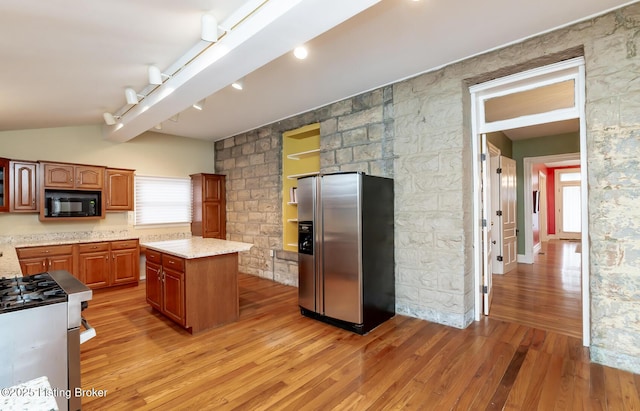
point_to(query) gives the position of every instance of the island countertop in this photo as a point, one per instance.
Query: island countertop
(197, 247)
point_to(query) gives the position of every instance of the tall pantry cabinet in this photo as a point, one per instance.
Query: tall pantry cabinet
(209, 206)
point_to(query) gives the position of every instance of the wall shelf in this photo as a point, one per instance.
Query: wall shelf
(300, 158)
(303, 154)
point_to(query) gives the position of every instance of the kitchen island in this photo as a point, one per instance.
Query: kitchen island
(194, 281)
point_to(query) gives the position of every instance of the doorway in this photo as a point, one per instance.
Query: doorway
(517, 92)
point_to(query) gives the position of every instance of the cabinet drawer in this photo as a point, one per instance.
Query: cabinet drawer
(153, 256)
(124, 244)
(175, 263)
(44, 251)
(92, 247)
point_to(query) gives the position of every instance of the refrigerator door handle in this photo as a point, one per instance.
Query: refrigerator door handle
(318, 251)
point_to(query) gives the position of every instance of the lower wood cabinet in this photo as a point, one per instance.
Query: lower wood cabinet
(165, 285)
(98, 264)
(198, 294)
(34, 260)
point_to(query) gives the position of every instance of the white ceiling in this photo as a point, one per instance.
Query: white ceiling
(66, 62)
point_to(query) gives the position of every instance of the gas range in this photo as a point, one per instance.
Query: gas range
(31, 291)
(43, 312)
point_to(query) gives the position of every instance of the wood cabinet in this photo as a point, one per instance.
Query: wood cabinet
(198, 294)
(209, 206)
(165, 285)
(118, 189)
(73, 176)
(106, 264)
(98, 264)
(93, 264)
(4, 184)
(125, 262)
(24, 187)
(34, 260)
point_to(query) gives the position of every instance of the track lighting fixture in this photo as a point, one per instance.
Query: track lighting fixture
(209, 28)
(110, 119)
(238, 85)
(131, 95)
(156, 77)
(199, 105)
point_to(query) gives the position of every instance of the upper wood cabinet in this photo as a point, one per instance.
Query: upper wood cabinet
(24, 187)
(73, 176)
(118, 189)
(4, 184)
(209, 206)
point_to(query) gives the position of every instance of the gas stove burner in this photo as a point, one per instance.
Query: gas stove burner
(29, 291)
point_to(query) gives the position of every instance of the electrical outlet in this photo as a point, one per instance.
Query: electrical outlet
(270, 253)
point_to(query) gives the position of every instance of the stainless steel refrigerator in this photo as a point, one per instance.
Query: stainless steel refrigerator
(345, 249)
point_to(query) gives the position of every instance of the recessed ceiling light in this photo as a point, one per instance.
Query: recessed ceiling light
(300, 52)
(237, 85)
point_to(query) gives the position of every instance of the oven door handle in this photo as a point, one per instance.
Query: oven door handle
(89, 332)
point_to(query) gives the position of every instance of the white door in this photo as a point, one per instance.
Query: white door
(509, 244)
(496, 217)
(568, 204)
(487, 249)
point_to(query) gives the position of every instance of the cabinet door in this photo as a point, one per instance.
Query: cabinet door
(23, 187)
(119, 190)
(89, 177)
(213, 187)
(94, 269)
(61, 262)
(125, 266)
(154, 285)
(213, 220)
(31, 266)
(4, 185)
(58, 175)
(173, 295)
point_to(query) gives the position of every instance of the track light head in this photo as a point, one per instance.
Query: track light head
(155, 75)
(209, 28)
(131, 95)
(110, 119)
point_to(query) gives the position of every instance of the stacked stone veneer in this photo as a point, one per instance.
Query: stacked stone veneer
(356, 135)
(426, 119)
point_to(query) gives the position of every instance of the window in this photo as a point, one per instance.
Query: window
(162, 200)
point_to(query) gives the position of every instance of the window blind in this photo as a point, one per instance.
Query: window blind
(162, 200)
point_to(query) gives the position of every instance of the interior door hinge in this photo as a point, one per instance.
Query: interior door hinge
(485, 289)
(499, 170)
(483, 157)
(484, 222)
(500, 258)
(499, 213)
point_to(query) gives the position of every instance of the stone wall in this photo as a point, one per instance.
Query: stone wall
(424, 124)
(356, 135)
(433, 185)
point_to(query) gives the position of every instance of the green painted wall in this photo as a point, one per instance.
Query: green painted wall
(536, 147)
(500, 140)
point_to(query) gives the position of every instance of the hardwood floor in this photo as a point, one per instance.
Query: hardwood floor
(275, 359)
(546, 294)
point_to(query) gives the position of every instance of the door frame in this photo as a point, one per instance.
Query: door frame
(560, 211)
(530, 79)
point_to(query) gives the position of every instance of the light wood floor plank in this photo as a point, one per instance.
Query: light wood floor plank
(275, 359)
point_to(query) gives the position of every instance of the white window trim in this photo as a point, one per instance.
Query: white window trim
(153, 189)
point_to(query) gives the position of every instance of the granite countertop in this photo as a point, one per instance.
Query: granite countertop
(10, 266)
(33, 395)
(197, 247)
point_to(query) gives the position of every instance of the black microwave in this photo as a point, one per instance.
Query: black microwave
(72, 203)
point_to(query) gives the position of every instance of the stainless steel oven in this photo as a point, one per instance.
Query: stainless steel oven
(40, 317)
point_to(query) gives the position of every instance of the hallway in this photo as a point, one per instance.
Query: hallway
(544, 295)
